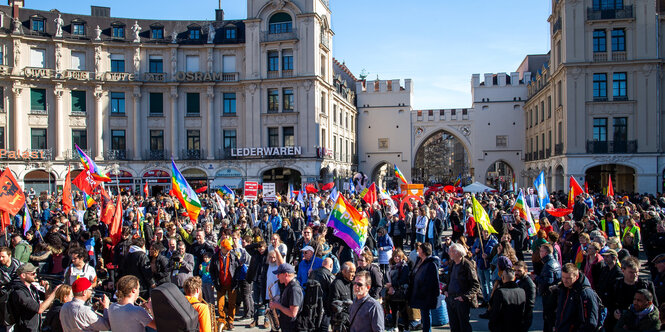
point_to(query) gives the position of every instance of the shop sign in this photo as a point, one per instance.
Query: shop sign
(199, 76)
(25, 154)
(267, 151)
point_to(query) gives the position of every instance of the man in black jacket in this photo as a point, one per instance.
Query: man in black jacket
(607, 279)
(518, 231)
(625, 288)
(550, 275)
(507, 305)
(577, 306)
(137, 263)
(463, 289)
(24, 301)
(341, 291)
(524, 282)
(325, 277)
(579, 209)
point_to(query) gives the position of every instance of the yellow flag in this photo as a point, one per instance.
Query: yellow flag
(481, 217)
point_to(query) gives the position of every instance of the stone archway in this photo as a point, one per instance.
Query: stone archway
(282, 177)
(40, 181)
(383, 175)
(441, 158)
(623, 178)
(499, 175)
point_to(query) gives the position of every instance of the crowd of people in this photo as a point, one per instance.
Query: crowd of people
(278, 265)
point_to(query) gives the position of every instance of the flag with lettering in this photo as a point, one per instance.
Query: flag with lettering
(86, 182)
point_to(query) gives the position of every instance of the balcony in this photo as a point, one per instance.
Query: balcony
(601, 147)
(155, 155)
(600, 57)
(527, 156)
(273, 73)
(115, 155)
(287, 73)
(267, 37)
(73, 155)
(229, 77)
(223, 153)
(619, 56)
(192, 154)
(558, 149)
(593, 14)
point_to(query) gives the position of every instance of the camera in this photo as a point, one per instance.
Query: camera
(340, 319)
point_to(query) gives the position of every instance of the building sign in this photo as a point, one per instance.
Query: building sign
(198, 76)
(154, 77)
(324, 153)
(77, 75)
(25, 154)
(269, 192)
(39, 72)
(119, 77)
(251, 190)
(267, 151)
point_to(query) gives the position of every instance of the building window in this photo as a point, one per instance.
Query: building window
(157, 33)
(323, 138)
(156, 103)
(156, 140)
(195, 33)
(2, 100)
(229, 63)
(549, 107)
(535, 116)
(352, 123)
(287, 60)
(600, 129)
(287, 95)
(230, 103)
(619, 83)
(37, 57)
(323, 103)
(620, 129)
(607, 4)
(38, 138)
(599, 41)
(288, 136)
(118, 31)
(117, 63)
(273, 61)
(117, 103)
(80, 138)
(192, 63)
(230, 139)
(78, 29)
(118, 140)
(280, 23)
(2, 56)
(618, 40)
(273, 137)
(193, 103)
(230, 33)
(38, 99)
(273, 100)
(156, 64)
(501, 141)
(37, 24)
(600, 86)
(193, 139)
(2, 137)
(78, 61)
(78, 101)
(542, 111)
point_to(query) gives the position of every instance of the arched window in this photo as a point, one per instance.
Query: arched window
(280, 23)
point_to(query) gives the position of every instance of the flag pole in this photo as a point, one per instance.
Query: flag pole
(480, 234)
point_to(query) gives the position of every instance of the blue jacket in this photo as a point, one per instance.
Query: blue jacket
(549, 275)
(304, 267)
(488, 245)
(386, 243)
(577, 308)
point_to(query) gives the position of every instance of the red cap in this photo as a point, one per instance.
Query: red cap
(80, 285)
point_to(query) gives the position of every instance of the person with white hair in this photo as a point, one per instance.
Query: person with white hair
(463, 289)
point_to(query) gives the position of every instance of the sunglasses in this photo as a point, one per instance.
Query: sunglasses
(359, 284)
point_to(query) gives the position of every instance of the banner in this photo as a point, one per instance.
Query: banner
(12, 198)
(269, 192)
(251, 190)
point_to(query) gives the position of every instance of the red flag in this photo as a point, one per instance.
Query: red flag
(310, 189)
(559, 212)
(12, 197)
(145, 190)
(4, 220)
(575, 190)
(103, 192)
(67, 193)
(586, 187)
(201, 190)
(115, 230)
(370, 196)
(328, 186)
(85, 182)
(107, 213)
(610, 189)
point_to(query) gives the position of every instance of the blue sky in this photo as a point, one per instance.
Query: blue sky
(437, 43)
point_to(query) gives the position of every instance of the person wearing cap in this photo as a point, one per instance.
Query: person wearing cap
(507, 304)
(75, 315)
(24, 300)
(290, 300)
(659, 277)
(222, 271)
(308, 263)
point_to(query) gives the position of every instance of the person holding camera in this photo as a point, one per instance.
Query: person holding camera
(24, 300)
(182, 265)
(75, 315)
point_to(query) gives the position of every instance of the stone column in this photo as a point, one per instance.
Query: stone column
(135, 124)
(99, 123)
(210, 154)
(60, 126)
(18, 117)
(174, 120)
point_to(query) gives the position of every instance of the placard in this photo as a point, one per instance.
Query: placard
(251, 190)
(269, 192)
(508, 218)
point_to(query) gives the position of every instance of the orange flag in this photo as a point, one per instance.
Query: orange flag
(575, 190)
(115, 230)
(67, 203)
(610, 189)
(12, 197)
(4, 220)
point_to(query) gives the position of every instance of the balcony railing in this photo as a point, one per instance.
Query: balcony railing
(224, 154)
(273, 73)
(192, 154)
(527, 156)
(600, 57)
(609, 14)
(271, 37)
(618, 56)
(287, 73)
(230, 77)
(115, 155)
(558, 149)
(599, 147)
(72, 154)
(156, 155)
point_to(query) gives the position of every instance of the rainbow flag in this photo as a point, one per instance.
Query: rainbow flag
(348, 224)
(458, 181)
(90, 165)
(224, 190)
(27, 220)
(523, 208)
(399, 174)
(88, 200)
(186, 195)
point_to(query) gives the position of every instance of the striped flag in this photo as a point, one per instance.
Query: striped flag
(88, 200)
(185, 194)
(523, 208)
(399, 174)
(27, 220)
(90, 165)
(348, 224)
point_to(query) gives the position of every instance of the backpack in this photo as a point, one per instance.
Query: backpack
(602, 310)
(311, 312)
(6, 316)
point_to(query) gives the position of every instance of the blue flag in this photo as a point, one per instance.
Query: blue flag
(543, 196)
(352, 188)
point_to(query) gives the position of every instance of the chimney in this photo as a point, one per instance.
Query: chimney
(100, 11)
(219, 15)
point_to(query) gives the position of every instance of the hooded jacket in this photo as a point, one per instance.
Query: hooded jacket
(577, 307)
(137, 263)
